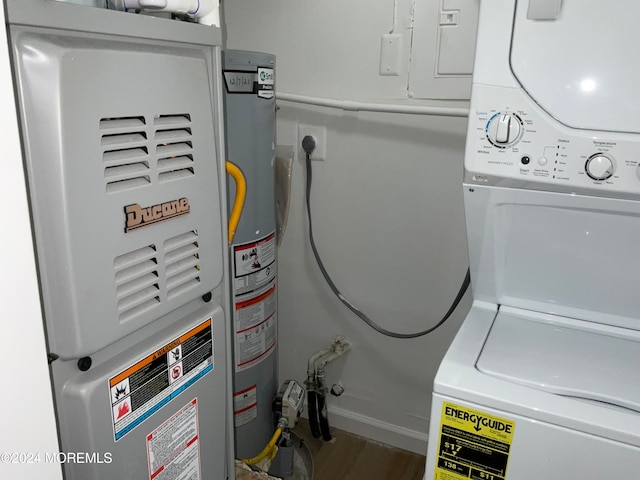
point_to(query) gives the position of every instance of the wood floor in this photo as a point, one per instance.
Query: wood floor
(349, 457)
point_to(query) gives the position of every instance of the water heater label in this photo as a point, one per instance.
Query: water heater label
(255, 324)
(240, 82)
(266, 81)
(245, 406)
(260, 83)
(254, 264)
(149, 384)
(173, 449)
(254, 301)
(473, 444)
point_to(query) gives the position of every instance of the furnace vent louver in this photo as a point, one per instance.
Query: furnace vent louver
(182, 263)
(174, 147)
(125, 153)
(137, 287)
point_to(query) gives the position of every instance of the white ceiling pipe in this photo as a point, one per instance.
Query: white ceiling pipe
(375, 107)
(206, 11)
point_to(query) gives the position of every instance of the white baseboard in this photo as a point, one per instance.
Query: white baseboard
(378, 431)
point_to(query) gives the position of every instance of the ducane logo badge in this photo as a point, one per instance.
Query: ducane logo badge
(138, 217)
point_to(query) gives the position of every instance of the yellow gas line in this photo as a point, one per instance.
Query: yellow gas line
(238, 201)
(268, 452)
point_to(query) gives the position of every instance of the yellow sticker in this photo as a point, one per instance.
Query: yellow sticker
(473, 444)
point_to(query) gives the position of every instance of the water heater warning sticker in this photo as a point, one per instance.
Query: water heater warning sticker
(255, 325)
(254, 301)
(472, 444)
(245, 406)
(253, 264)
(143, 388)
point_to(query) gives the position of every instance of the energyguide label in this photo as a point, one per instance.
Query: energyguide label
(472, 445)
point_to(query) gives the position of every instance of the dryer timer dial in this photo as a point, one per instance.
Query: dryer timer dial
(504, 129)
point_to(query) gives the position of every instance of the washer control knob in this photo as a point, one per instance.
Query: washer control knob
(504, 129)
(600, 166)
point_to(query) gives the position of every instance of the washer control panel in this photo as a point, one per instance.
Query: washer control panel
(511, 137)
(504, 129)
(600, 166)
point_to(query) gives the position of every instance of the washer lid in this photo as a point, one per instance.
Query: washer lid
(580, 67)
(566, 357)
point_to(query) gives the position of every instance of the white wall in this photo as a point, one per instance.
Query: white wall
(387, 209)
(26, 404)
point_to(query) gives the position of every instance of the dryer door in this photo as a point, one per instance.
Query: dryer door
(580, 67)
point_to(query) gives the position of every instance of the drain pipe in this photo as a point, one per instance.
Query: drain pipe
(312, 394)
(323, 414)
(316, 388)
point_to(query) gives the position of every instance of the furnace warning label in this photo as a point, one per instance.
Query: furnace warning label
(146, 386)
(245, 406)
(255, 327)
(472, 444)
(254, 264)
(173, 451)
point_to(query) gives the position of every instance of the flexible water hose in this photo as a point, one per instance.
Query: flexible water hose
(268, 452)
(324, 418)
(312, 402)
(238, 201)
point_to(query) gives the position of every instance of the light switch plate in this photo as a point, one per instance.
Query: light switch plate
(391, 54)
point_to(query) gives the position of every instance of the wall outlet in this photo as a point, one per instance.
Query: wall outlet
(320, 136)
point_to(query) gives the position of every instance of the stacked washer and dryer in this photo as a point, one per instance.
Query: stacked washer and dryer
(541, 381)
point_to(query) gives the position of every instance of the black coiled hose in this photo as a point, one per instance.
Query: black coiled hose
(312, 402)
(324, 418)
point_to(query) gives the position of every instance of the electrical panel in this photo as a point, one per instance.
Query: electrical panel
(443, 49)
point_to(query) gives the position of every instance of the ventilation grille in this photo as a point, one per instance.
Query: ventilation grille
(125, 150)
(182, 263)
(137, 287)
(124, 153)
(174, 147)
